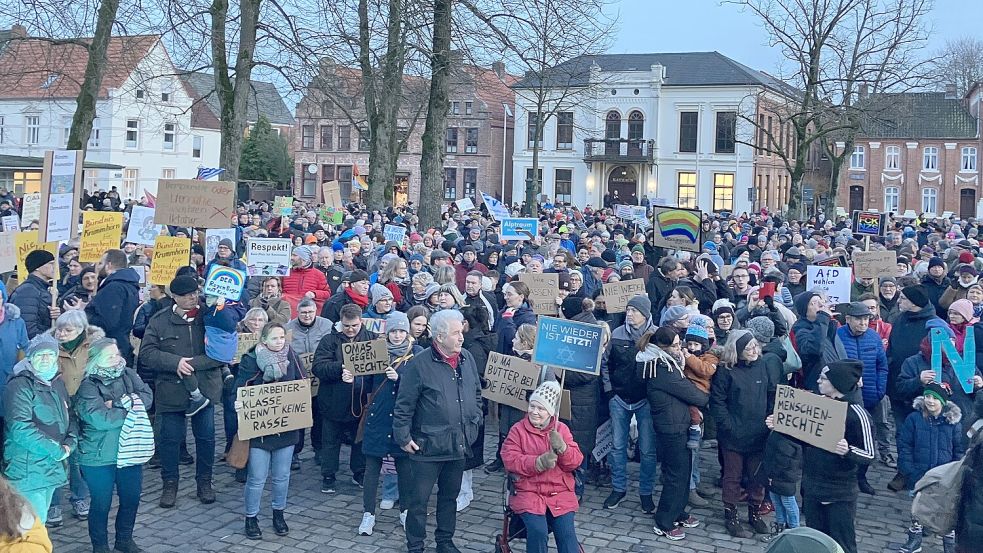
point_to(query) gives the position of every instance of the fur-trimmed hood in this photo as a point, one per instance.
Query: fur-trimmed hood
(952, 413)
(11, 311)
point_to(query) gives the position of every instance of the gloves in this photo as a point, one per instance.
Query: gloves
(770, 303)
(557, 443)
(546, 461)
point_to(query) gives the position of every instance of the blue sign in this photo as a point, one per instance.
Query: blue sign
(514, 228)
(569, 345)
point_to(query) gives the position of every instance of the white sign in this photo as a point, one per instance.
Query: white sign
(638, 212)
(465, 204)
(11, 223)
(142, 229)
(395, 233)
(604, 441)
(31, 210)
(61, 197)
(834, 282)
(215, 235)
(623, 211)
(268, 256)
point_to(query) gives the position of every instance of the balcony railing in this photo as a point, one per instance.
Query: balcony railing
(633, 150)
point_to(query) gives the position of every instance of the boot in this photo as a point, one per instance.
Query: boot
(757, 523)
(205, 492)
(862, 482)
(897, 484)
(168, 497)
(252, 529)
(914, 543)
(279, 525)
(733, 523)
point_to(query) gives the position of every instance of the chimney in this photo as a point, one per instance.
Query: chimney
(950, 91)
(499, 69)
(864, 90)
(18, 31)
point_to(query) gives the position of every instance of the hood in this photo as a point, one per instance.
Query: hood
(123, 275)
(952, 413)
(12, 311)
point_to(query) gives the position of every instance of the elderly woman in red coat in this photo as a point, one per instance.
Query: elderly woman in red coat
(542, 457)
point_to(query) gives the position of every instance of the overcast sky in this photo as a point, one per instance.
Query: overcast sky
(708, 25)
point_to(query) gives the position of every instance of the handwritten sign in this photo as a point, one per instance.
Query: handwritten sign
(604, 441)
(142, 229)
(224, 282)
(31, 209)
(331, 193)
(307, 361)
(268, 256)
(212, 239)
(509, 380)
(246, 342)
(170, 254)
(677, 228)
(814, 419)
(26, 242)
(365, 358)
(570, 345)
(875, 264)
(101, 231)
(395, 233)
(543, 289)
(195, 203)
(61, 186)
(283, 205)
(273, 408)
(623, 212)
(10, 223)
(618, 294)
(834, 282)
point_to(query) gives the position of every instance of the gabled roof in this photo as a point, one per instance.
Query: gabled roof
(492, 89)
(264, 99)
(918, 115)
(38, 68)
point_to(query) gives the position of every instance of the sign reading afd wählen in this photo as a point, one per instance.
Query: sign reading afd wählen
(568, 345)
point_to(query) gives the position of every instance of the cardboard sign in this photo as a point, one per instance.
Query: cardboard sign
(212, 239)
(283, 205)
(224, 282)
(101, 231)
(875, 264)
(10, 223)
(61, 187)
(142, 229)
(812, 418)
(331, 193)
(246, 341)
(170, 254)
(395, 233)
(8, 251)
(677, 228)
(365, 358)
(543, 289)
(510, 380)
(834, 282)
(273, 408)
(268, 256)
(195, 203)
(964, 366)
(26, 242)
(307, 361)
(569, 345)
(618, 294)
(604, 441)
(465, 204)
(517, 228)
(869, 223)
(31, 209)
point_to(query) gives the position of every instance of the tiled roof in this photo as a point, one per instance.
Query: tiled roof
(493, 90)
(263, 99)
(36, 68)
(918, 115)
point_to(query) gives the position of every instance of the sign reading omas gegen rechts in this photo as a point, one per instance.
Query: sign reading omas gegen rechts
(365, 358)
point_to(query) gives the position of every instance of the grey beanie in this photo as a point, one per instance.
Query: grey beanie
(673, 314)
(379, 292)
(643, 304)
(42, 342)
(397, 321)
(762, 328)
(304, 253)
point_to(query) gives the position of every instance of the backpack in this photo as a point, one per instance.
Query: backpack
(937, 497)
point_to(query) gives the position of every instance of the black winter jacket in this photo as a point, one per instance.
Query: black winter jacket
(905, 340)
(669, 393)
(619, 364)
(830, 477)
(33, 297)
(113, 306)
(338, 400)
(585, 395)
(740, 399)
(969, 524)
(781, 467)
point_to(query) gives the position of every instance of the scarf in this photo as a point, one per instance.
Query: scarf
(395, 352)
(968, 284)
(359, 299)
(71, 345)
(106, 373)
(978, 310)
(636, 333)
(651, 357)
(960, 331)
(452, 359)
(273, 363)
(888, 304)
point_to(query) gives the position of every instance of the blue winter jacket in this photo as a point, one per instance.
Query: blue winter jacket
(925, 442)
(869, 349)
(13, 340)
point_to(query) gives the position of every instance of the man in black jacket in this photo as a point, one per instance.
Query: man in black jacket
(33, 296)
(435, 420)
(354, 290)
(116, 300)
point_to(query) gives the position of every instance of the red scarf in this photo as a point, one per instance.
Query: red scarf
(359, 299)
(452, 359)
(960, 330)
(397, 293)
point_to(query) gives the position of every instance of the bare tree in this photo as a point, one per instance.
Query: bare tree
(960, 62)
(432, 158)
(85, 110)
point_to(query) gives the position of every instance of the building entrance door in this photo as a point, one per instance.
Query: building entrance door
(624, 180)
(967, 203)
(856, 198)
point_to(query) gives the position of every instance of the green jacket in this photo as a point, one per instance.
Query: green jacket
(37, 425)
(99, 426)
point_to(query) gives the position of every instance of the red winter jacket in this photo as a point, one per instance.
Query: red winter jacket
(534, 490)
(301, 281)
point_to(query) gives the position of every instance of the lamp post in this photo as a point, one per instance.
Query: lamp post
(527, 209)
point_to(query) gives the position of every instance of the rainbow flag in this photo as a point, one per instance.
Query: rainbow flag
(358, 181)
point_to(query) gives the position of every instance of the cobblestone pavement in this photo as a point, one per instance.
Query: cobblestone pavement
(327, 523)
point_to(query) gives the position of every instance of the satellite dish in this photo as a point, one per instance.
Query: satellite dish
(312, 169)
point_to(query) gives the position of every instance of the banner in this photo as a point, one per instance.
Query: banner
(213, 237)
(273, 408)
(496, 208)
(268, 256)
(543, 290)
(875, 264)
(365, 358)
(395, 233)
(101, 231)
(61, 187)
(516, 228)
(678, 228)
(869, 223)
(224, 282)
(195, 203)
(465, 204)
(618, 294)
(26, 242)
(331, 194)
(569, 345)
(142, 229)
(834, 282)
(814, 419)
(639, 213)
(170, 254)
(623, 212)
(510, 380)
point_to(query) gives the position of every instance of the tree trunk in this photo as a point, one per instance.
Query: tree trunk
(432, 159)
(834, 182)
(85, 111)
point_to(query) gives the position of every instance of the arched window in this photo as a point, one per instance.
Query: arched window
(612, 127)
(636, 130)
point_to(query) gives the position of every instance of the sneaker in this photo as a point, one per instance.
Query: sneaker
(387, 504)
(368, 523)
(675, 534)
(80, 509)
(888, 459)
(402, 518)
(328, 484)
(690, 522)
(648, 506)
(494, 466)
(914, 543)
(357, 480)
(54, 517)
(693, 436)
(614, 499)
(196, 405)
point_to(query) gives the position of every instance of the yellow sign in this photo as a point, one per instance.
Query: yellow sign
(101, 231)
(170, 254)
(26, 242)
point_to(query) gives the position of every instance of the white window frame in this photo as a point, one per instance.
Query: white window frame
(857, 158)
(32, 129)
(167, 173)
(930, 158)
(930, 198)
(968, 159)
(94, 134)
(892, 198)
(166, 92)
(197, 145)
(135, 143)
(892, 158)
(168, 145)
(66, 123)
(131, 179)
(2, 129)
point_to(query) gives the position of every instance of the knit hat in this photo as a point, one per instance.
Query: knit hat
(37, 259)
(305, 254)
(938, 323)
(710, 246)
(916, 294)
(698, 333)
(940, 392)
(936, 262)
(572, 306)
(396, 320)
(638, 248)
(887, 279)
(380, 292)
(227, 243)
(642, 304)
(793, 253)
(431, 289)
(357, 275)
(673, 314)
(609, 256)
(563, 281)
(968, 269)
(800, 267)
(762, 328)
(337, 246)
(966, 257)
(845, 374)
(548, 396)
(722, 306)
(182, 285)
(42, 342)
(964, 307)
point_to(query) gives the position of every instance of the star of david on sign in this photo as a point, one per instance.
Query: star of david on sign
(565, 355)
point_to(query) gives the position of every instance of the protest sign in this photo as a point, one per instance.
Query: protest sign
(875, 264)
(283, 205)
(834, 282)
(569, 345)
(195, 203)
(623, 211)
(963, 365)
(8, 251)
(835, 261)
(869, 223)
(26, 242)
(307, 361)
(638, 213)
(170, 254)
(224, 282)
(375, 326)
(332, 216)
(496, 209)
(101, 231)
(814, 419)
(604, 441)
(10, 223)
(246, 342)
(395, 233)
(273, 408)
(543, 289)
(365, 358)
(677, 228)
(212, 239)
(268, 256)
(517, 228)
(142, 229)
(331, 193)
(617, 294)
(509, 380)
(31, 209)
(465, 204)
(141, 271)
(61, 187)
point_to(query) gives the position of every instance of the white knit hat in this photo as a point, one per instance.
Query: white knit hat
(547, 395)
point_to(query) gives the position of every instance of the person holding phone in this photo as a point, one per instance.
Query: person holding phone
(761, 303)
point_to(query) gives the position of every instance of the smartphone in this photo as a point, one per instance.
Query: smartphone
(767, 290)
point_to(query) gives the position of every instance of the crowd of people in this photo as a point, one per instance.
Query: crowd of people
(100, 374)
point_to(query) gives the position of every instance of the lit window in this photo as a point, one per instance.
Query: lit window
(857, 158)
(930, 158)
(686, 196)
(929, 198)
(723, 191)
(968, 162)
(891, 199)
(892, 157)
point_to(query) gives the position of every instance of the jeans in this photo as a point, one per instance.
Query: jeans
(833, 519)
(229, 420)
(128, 482)
(370, 487)
(390, 487)
(538, 532)
(332, 433)
(694, 475)
(738, 468)
(879, 419)
(675, 460)
(260, 462)
(621, 414)
(173, 428)
(447, 476)
(786, 509)
(40, 500)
